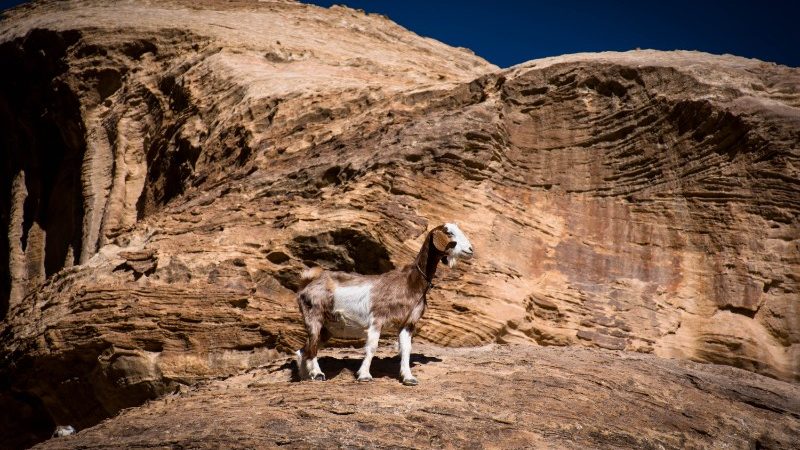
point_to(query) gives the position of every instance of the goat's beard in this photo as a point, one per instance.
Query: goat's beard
(449, 260)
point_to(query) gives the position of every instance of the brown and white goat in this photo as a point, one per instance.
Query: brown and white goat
(353, 306)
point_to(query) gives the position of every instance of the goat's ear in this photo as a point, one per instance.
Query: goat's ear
(440, 239)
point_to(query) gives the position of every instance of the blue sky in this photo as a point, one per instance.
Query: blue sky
(510, 32)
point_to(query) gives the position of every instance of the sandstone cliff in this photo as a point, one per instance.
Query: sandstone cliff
(169, 168)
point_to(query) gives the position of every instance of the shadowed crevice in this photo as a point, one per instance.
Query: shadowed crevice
(42, 135)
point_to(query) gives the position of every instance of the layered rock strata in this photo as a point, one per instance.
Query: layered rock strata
(172, 167)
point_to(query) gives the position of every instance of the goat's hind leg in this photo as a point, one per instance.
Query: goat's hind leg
(308, 366)
(324, 336)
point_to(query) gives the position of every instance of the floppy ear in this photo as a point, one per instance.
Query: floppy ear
(440, 239)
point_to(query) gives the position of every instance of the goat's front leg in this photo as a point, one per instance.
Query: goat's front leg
(373, 336)
(404, 341)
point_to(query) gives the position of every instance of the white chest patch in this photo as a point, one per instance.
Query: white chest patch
(352, 314)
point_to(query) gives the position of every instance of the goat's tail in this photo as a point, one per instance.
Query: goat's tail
(308, 276)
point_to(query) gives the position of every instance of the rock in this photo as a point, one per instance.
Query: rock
(63, 430)
(544, 397)
(174, 167)
(140, 263)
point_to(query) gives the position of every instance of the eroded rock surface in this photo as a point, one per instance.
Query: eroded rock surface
(173, 166)
(487, 397)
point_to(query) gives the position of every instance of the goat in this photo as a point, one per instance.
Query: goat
(353, 306)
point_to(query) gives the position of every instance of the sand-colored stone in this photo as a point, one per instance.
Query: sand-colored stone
(486, 397)
(642, 201)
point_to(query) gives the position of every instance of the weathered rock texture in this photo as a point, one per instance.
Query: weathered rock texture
(487, 397)
(168, 168)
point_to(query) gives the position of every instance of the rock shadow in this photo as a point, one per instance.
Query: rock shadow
(382, 367)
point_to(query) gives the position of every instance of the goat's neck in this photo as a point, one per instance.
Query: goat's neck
(426, 261)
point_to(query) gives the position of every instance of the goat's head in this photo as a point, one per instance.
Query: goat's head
(452, 243)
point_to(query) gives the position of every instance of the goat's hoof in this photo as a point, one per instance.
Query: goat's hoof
(365, 378)
(410, 381)
(318, 377)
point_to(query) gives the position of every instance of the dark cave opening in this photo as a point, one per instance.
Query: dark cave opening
(344, 249)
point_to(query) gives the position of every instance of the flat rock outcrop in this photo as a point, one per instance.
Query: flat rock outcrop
(486, 397)
(173, 166)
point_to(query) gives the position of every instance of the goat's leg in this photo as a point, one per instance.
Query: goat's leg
(404, 341)
(307, 361)
(324, 336)
(315, 373)
(373, 336)
(307, 366)
(302, 367)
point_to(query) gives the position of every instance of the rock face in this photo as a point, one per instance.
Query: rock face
(170, 168)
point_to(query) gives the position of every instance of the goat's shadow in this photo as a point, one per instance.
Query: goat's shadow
(383, 367)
